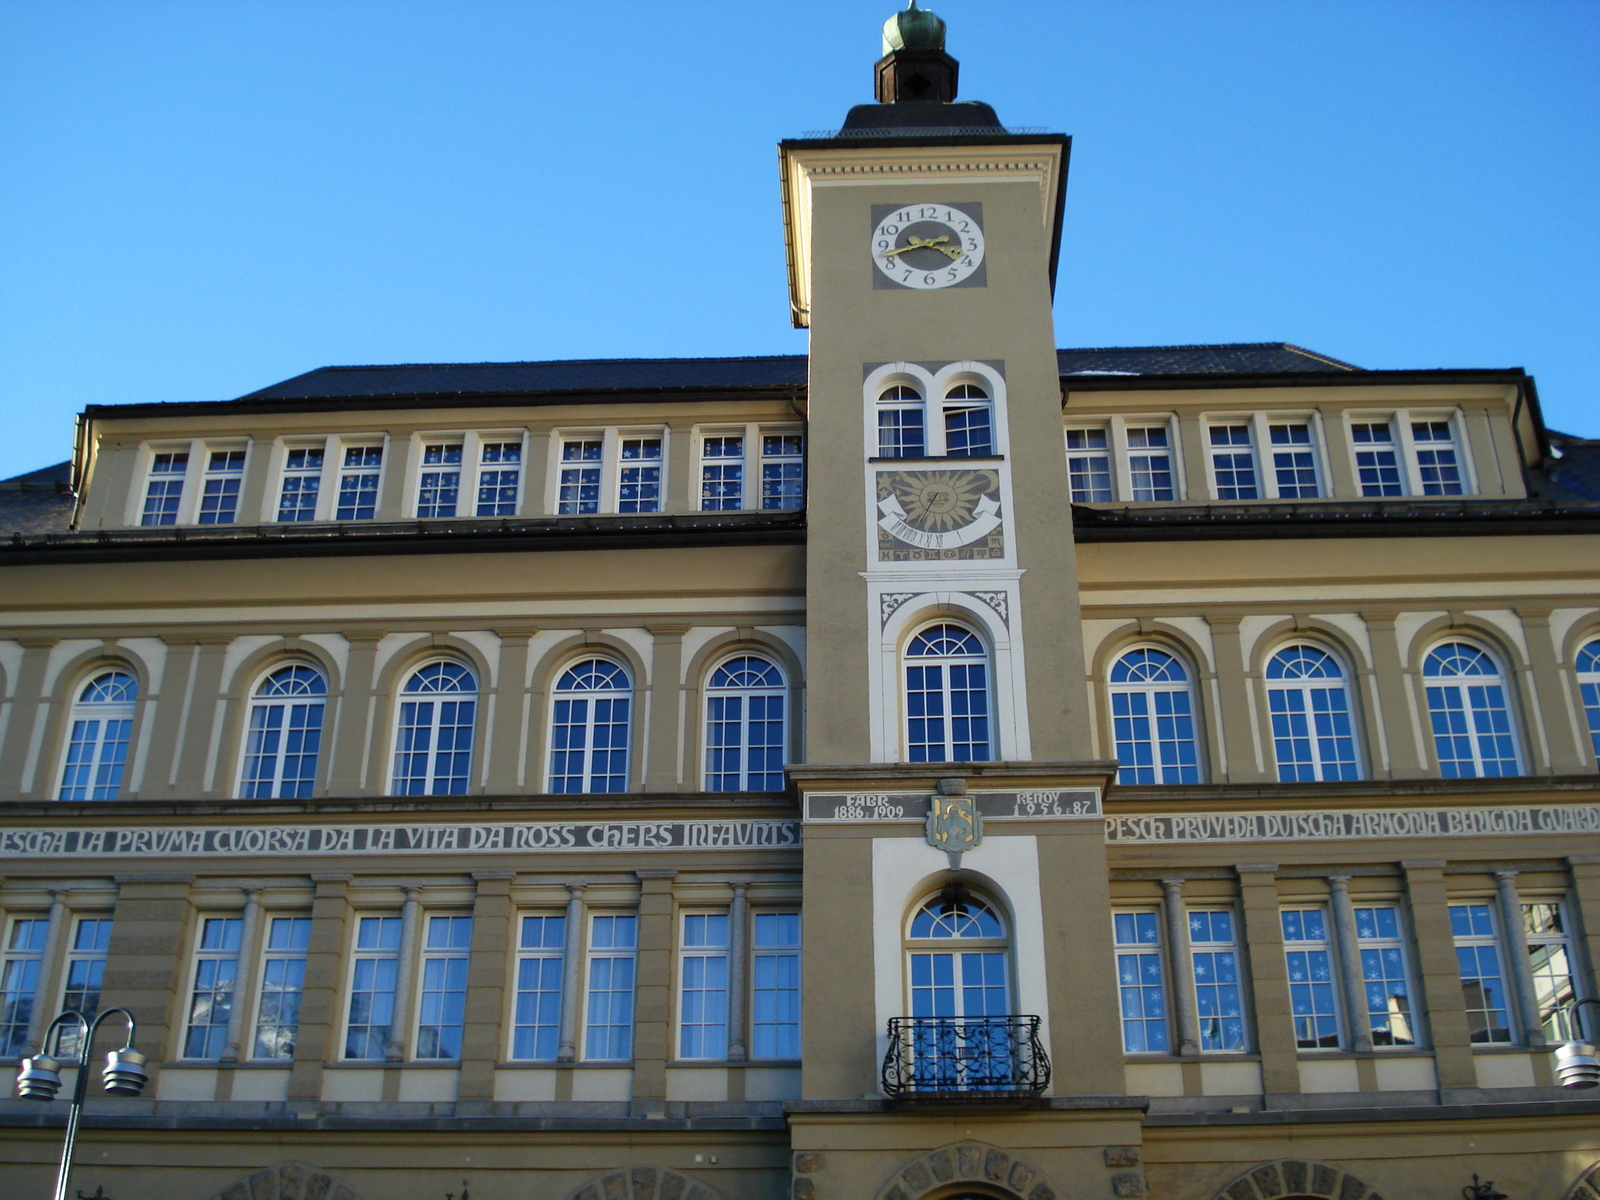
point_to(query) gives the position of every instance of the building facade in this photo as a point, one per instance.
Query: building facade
(938, 765)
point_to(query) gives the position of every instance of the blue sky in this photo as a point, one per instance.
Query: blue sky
(198, 199)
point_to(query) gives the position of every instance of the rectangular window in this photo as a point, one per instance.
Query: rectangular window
(1214, 948)
(1313, 990)
(358, 483)
(721, 473)
(901, 433)
(1482, 977)
(1294, 462)
(775, 987)
(782, 471)
(639, 485)
(580, 477)
(703, 974)
(1380, 940)
(536, 1026)
(1233, 462)
(216, 970)
(85, 969)
(1438, 468)
(219, 499)
(283, 976)
(1089, 465)
(439, 486)
(1377, 465)
(1544, 925)
(1140, 983)
(164, 491)
(1150, 463)
(302, 481)
(374, 970)
(19, 981)
(442, 1013)
(499, 475)
(613, 943)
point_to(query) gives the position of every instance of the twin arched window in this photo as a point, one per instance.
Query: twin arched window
(97, 748)
(1472, 731)
(433, 743)
(965, 428)
(947, 696)
(285, 735)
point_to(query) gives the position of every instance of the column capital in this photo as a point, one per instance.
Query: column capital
(1255, 869)
(576, 890)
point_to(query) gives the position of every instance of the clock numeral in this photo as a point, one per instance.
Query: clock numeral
(930, 279)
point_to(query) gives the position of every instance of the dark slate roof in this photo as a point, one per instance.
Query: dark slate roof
(38, 502)
(1240, 358)
(634, 375)
(1571, 473)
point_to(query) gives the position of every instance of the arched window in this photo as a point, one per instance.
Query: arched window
(900, 423)
(744, 726)
(1467, 705)
(1152, 719)
(97, 749)
(285, 735)
(956, 952)
(589, 732)
(947, 697)
(1589, 687)
(1310, 708)
(968, 421)
(433, 747)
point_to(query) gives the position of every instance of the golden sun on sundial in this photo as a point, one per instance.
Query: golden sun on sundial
(945, 502)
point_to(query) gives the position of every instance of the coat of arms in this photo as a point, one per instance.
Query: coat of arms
(954, 823)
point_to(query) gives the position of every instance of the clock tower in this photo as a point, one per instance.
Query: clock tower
(947, 730)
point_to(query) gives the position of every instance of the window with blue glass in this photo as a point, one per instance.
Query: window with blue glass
(775, 986)
(901, 432)
(439, 484)
(442, 997)
(536, 1022)
(1381, 944)
(284, 738)
(947, 696)
(1437, 458)
(1472, 732)
(374, 973)
(359, 473)
(578, 489)
(219, 489)
(968, 421)
(1312, 734)
(1219, 995)
(782, 471)
(1141, 982)
(589, 728)
(19, 981)
(97, 742)
(639, 484)
(1089, 466)
(721, 473)
(613, 950)
(164, 488)
(1588, 664)
(499, 478)
(301, 484)
(211, 995)
(1152, 719)
(1294, 461)
(1313, 988)
(1377, 461)
(703, 986)
(1479, 957)
(1233, 462)
(433, 741)
(745, 702)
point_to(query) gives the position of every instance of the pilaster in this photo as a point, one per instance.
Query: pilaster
(1400, 730)
(482, 1043)
(662, 772)
(349, 744)
(194, 752)
(21, 773)
(1568, 756)
(146, 960)
(511, 714)
(1440, 974)
(1269, 978)
(1244, 758)
(317, 1039)
(652, 1022)
(159, 777)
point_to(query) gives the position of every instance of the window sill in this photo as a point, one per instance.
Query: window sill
(742, 1064)
(550, 1064)
(215, 1064)
(943, 458)
(367, 1064)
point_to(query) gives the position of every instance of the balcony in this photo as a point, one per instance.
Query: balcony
(965, 1058)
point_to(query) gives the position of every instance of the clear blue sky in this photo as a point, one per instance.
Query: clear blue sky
(198, 199)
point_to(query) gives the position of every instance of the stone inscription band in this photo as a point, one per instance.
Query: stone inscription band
(1083, 803)
(1355, 824)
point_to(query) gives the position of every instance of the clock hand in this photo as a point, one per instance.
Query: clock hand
(924, 244)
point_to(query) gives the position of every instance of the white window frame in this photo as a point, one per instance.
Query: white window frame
(1117, 426)
(1589, 690)
(75, 954)
(1310, 1040)
(704, 958)
(944, 663)
(611, 466)
(1507, 979)
(1323, 770)
(469, 472)
(948, 402)
(282, 472)
(403, 696)
(1139, 949)
(378, 954)
(101, 711)
(210, 473)
(536, 954)
(289, 704)
(196, 471)
(1251, 449)
(744, 695)
(1502, 678)
(333, 470)
(1379, 943)
(16, 960)
(557, 695)
(752, 460)
(1106, 452)
(446, 957)
(1404, 443)
(1240, 982)
(267, 956)
(591, 954)
(1267, 453)
(760, 951)
(202, 954)
(1554, 1028)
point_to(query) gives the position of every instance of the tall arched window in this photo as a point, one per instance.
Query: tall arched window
(1589, 687)
(285, 735)
(744, 726)
(900, 423)
(1152, 719)
(1467, 705)
(97, 748)
(947, 697)
(968, 421)
(433, 746)
(1311, 732)
(956, 957)
(589, 730)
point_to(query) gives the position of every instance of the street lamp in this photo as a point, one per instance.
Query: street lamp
(40, 1077)
(1576, 1064)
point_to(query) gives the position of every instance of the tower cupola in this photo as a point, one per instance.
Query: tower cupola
(915, 68)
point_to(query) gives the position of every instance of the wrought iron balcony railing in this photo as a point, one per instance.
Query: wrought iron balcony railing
(965, 1057)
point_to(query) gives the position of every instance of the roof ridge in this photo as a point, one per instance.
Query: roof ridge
(550, 362)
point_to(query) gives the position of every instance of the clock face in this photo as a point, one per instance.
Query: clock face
(927, 246)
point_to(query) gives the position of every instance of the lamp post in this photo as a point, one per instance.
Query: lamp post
(1576, 1064)
(40, 1077)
